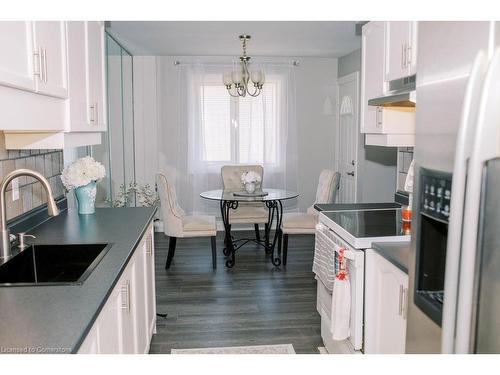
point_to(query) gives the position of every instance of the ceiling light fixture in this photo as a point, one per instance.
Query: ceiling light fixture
(237, 81)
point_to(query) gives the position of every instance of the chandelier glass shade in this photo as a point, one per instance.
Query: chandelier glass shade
(242, 81)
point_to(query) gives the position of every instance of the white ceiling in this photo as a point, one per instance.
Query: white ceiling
(220, 38)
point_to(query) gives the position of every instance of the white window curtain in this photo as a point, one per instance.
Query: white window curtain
(215, 129)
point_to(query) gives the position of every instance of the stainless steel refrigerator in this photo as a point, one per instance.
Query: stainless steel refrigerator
(454, 290)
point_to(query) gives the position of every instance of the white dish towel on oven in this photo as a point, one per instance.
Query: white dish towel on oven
(341, 308)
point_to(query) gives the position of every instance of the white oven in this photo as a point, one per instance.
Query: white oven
(325, 244)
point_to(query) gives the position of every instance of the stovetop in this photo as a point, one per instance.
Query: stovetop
(362, 227)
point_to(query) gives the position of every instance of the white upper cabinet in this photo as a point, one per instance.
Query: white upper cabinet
(50, 58)
(386, 304)
(16, 59)
(388, 52)
(52, 84)
(400, 49)
(372, 74)
(96, 58)
(87, 105)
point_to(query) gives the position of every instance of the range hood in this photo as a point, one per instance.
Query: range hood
(402, 94)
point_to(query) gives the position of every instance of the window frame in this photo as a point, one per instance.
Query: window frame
(234, 113)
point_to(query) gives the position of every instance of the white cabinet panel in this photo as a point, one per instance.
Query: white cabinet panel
(127, 311)
(77, 76)
(96, 73)
(150, 281)
(386, 292)
(91, 343)
(128, 319)
(372, 73)
(16, 59)
(50, 44)
(140, 302)
(109, 324)
(86, 76)
(400, 49)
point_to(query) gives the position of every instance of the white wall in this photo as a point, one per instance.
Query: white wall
(315, 80)
(155, 105)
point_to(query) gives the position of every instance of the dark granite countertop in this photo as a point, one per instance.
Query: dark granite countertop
(354, 206)
(398, 253)
(59, 317)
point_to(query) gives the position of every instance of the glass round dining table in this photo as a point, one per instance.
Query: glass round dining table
(271, 199)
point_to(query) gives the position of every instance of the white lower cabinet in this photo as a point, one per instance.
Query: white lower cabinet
(128, 319)
(386, 293)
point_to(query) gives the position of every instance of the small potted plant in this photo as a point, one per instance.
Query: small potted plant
(250, 180)
(82, 176)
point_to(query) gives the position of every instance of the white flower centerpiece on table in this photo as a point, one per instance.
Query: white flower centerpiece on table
(82, 176)
(250, 180)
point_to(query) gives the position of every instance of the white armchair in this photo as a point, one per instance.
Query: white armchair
(247, 212)
(176, 224)
(305, 223)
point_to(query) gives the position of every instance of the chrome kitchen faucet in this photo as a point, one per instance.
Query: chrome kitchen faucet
(5, 250)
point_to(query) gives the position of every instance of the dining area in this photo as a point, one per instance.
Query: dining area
(244, 202)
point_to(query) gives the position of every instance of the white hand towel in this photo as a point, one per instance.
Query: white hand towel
(341, 309)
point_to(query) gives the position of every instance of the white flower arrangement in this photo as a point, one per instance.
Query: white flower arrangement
(82, 172)
(250, 177)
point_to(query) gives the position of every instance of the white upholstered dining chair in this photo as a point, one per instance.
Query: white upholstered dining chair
(247, 212)
(176, 224)
(305, 223)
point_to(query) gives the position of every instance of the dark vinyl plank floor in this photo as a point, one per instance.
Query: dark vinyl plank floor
(254, 303)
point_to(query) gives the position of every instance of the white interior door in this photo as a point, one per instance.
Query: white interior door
(347, 140)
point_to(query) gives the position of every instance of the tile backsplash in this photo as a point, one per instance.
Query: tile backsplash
(31, 194)
(405, 156)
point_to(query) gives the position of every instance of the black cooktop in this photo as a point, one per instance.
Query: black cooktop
(368, 223)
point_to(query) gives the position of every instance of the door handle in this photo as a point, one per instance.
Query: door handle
(44, 62)
(350, 173)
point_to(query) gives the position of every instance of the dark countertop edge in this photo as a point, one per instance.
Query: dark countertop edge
(397, 253)
(113, 284)
(354, 206)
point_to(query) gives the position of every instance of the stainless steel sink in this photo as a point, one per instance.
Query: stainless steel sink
(52, 265)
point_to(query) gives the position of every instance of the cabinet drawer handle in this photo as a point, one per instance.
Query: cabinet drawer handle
(149, 247)
(37, 62)
(402, 56)
(405, 303)
(44, 58)
(126, 296)
(400, 312)
(405, 63)
(93, 113)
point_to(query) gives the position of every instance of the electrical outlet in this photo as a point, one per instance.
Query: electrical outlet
(15, 189)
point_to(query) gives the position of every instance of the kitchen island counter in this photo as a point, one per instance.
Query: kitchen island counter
(56, 319)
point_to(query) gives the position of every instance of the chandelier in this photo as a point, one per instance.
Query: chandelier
(237, 81)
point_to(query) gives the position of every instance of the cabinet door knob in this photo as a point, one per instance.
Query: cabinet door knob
(350, 173)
